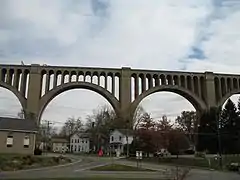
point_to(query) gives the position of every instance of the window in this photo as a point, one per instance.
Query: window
(86, 141)
(79, 148)
(112, 138)
(82, 141)
(9, 141)
(120, 138)
(78, 140)
(26, 141)
(72, 140)
(75, 140)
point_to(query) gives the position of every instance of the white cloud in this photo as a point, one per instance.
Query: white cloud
(150, 34)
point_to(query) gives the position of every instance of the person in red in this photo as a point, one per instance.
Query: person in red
(100, 152)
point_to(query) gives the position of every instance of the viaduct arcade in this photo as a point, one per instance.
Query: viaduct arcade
(35, 86)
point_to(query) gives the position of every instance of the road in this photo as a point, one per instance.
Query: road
(81, 168)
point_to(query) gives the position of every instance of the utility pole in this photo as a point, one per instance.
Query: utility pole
(47, 135)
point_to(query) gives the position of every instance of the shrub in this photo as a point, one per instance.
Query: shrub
(37, 151)
(200, 154)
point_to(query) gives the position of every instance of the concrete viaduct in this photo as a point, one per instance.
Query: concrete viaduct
(35, 86)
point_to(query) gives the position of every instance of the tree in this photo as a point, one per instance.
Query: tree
(99, 125)
(187, 122)
(229, 127)
(207, 130)
(229, 116)
(163, 127)
(21, 114)
(146, 122)
(138, 117)
(71, 126)
(178, 142)
(164, 124)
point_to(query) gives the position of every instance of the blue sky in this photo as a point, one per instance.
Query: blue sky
(194, 35)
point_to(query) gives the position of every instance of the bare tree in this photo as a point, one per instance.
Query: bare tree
(139, 117)
(21, 114)
(72, 126)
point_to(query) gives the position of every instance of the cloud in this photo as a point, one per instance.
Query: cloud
(186, 34)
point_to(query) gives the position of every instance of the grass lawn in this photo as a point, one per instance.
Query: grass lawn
(10, 162)
(194, 162)
(118, 167)
(90, 178)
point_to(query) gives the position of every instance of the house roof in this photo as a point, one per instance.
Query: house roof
(59, 140)
(15, 124)
(83, 135)
(125, 131)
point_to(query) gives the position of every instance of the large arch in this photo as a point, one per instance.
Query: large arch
(46, 99)
(198, 104)
(226, 97)
(21, 98)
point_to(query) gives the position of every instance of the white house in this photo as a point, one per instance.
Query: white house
(119, 138)
(80, 142)
(59, 145)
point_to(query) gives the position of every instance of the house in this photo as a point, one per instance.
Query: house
(59, 144)
(80, 143)
(17, 135)
(119, 138)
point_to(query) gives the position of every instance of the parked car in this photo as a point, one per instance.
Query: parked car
(162, 153)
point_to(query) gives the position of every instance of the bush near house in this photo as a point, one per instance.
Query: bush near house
(18, 162)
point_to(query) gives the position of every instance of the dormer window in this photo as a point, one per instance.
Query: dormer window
(120, 138)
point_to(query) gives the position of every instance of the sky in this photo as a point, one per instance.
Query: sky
(188, 35)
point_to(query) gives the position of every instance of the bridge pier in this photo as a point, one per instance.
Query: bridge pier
(34, 93)
(125, 97)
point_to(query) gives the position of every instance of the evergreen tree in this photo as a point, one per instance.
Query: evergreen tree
(229, 115)
(229, 130)
(207, 138)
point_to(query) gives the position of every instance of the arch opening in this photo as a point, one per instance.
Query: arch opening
(78, 85)
(167, 111)
(12, 104)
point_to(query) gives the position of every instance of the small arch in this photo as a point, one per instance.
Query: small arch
(229, 84)
(11, 77)
(196, 85)
(203, 87)
(217, 88)
(169, 80)
(235, 83)
(175, 80)
(117, 84)
(95, 77)
(59, 77)
(156, 79)
(142, 80)
(81, 76)
(149, 81)
(182, 81)
(4, 75)
(45, 100)
(223, 86)
(163, 79)
(189, 83)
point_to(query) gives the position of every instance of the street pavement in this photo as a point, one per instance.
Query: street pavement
(82, 165)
